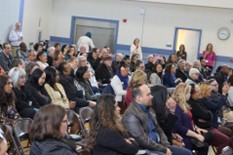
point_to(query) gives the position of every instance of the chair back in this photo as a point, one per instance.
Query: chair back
(13, 146)
(21, 129)
(74, 124)
(85, 116)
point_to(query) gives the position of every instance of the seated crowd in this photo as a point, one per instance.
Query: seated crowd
(161, 107)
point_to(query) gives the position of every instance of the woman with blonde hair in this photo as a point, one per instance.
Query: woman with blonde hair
(184, 125)
(139, 77)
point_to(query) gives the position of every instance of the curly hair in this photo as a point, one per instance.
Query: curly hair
(6, 99)
(179, 95)
(104, 116)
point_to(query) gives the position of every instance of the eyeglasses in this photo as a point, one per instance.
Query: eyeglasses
(214, 85)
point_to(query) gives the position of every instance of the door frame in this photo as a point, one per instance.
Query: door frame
(191, 29)
(73, 27)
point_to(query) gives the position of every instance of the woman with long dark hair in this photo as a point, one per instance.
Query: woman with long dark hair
(35, 90)
(107, 134)
(7, 98)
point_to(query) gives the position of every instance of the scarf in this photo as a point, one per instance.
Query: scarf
(125, 80)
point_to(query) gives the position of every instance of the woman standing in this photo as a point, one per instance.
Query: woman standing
(107, 134)
(181, 54)
(136, 48)
(209, 56)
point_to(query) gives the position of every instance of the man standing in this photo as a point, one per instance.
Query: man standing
(15, 37)
(5, 57)
(140, 121)
(85, 41)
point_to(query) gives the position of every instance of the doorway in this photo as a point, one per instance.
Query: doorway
(191, 38)
(104, 32)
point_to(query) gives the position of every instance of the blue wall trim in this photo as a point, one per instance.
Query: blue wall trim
(73, 18)
(146, 50)
(60, 39)
(21, 10)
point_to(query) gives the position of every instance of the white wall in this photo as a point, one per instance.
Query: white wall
(159, 26)
(35, 10)
(9, 15)
(205, 3)
(160, 21)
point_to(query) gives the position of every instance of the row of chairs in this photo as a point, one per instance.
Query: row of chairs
(17, 133)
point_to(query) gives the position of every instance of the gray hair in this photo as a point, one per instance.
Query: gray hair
(15, 73)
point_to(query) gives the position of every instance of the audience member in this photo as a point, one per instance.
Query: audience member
(48, 132)
(93, 58)
(134, 59)
(5, 57)
(64, 49)
(193, 76)
(150, 62)
(55, 89)
(74, 91)
(50, 55)
(22, 52)
(38, 47)
(104, 72)
(140, 121)
(7, 98)
(180, 71)
(42, 60)
(221, 77)
(139, 77)
(23, 104)
(18, 62)
(83, 74)
(157, 75)
(116, 62)
(169, 78)
(107, 134)
(35, 90)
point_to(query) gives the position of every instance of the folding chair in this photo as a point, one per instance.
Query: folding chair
(85, 116)
(14, 146)
(21, 129)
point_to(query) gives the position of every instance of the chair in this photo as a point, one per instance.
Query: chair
(13, 146)
(85, 116)
(74, 124)
(227, 150)
(74, 128)
(21, 129)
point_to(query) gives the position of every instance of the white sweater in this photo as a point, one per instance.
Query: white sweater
(118, 88)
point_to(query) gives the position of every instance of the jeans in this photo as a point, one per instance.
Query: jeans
(174, 149)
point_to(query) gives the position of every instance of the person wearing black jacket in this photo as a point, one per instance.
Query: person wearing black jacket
(48, 132)
(74, 91)
(23, 104)
(35, 90)
(107, 135)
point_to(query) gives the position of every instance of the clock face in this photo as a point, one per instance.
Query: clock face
(223, 33)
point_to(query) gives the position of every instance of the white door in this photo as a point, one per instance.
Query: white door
(191, 41)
